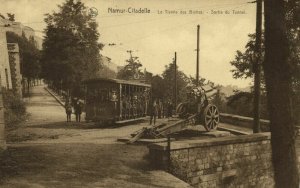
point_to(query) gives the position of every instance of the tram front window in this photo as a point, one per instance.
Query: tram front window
(98, 96)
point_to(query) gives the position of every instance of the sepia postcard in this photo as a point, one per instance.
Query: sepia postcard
(134, 93)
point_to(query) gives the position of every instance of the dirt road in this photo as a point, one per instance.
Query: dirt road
(46, 151)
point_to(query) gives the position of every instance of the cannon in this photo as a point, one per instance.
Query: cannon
(198, 104)
(194, 111)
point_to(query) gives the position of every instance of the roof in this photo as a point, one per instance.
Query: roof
(119, 81)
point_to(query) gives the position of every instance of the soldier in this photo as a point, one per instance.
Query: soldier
(68, 108)
(78, 110)
(160, 109)
(153, 112)
(169, 109)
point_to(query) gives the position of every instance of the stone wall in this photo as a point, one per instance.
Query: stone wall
(243, 121)
(235, 161)
(15, 69)
(5, 76)
(2, 126)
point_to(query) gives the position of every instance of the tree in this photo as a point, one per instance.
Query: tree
(29, 56)
(70, 48)
(278, 69)
(131, 70)
(158, 87)
(169, 79)
(11, 17)
(243, 61)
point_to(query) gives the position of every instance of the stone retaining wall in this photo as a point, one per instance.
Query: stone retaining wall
(2, 125)
(243, 121)
(235, 161)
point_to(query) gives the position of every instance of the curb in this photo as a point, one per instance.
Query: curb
(55, 97)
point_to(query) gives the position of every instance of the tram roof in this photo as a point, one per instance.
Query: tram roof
(119, 81)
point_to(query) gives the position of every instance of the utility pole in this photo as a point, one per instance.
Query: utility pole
(257, 68)
(197, 67)
(130, 52)
(175, 77)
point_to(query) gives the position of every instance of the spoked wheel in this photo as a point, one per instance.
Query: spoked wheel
(210, 117)
(181, 110)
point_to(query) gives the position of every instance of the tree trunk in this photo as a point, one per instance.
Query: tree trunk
(279, 90)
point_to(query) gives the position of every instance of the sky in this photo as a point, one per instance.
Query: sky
(154, 37)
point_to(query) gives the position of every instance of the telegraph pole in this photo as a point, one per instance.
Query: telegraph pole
(130, 52)
(197, 67)
(257, 68)
(175, 77)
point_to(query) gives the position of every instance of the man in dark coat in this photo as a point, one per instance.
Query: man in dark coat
(68, 108)
(78, 110)
(153, 112)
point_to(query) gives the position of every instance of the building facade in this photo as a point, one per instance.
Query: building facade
(15, 69)
(5, 75)
(10, 73)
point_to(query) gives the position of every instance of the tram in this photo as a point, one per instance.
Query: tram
(115, 100)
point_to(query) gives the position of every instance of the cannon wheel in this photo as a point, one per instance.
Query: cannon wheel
(181, 110)
(210, 117)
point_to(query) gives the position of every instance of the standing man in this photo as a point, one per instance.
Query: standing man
(68, 108)
(78, 110)
(153, 112)
(169, 109)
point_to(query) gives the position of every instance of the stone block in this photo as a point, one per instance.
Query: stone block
(199, 161)
(265, 142)
(228, 173)
(199, 173)
(200, 167)
(206, 165)
(209, 177)
(194, 180)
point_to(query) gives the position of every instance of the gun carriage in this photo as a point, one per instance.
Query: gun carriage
(197, 110)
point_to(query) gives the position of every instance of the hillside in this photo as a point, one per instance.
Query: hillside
(229, 89)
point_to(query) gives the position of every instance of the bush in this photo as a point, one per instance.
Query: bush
(15, 109)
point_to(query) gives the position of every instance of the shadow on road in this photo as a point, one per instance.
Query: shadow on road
(75, 165)
(65, 125)
(81, 125)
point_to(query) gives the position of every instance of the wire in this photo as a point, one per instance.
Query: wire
(171, 28)
(149, 54)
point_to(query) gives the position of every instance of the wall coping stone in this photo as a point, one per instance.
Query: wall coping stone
(187, 144)
(243, 118)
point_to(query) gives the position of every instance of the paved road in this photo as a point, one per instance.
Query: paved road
(46, 151)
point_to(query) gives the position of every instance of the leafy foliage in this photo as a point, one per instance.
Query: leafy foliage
(243, 63)
(158, 87)
(15, 109)
(244, 60)
(131, 70)
(11, 17)
(169, 79)
(71, 48)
